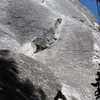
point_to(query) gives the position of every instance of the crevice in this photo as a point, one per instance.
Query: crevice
(82, 20)
(43, 1)
(59, 96)
(78, 19)
(48, 38)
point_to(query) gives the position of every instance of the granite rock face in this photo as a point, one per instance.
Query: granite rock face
(73, 57)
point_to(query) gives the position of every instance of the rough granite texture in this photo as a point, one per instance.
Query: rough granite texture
(73, 58)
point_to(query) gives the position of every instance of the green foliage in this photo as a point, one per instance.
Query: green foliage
(97, 85)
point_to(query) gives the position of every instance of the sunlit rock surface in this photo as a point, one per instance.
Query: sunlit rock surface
(73, 57)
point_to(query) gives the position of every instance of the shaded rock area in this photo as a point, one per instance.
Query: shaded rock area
(38, 73)
(68, 39)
